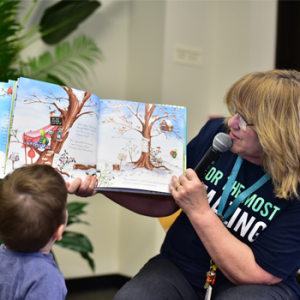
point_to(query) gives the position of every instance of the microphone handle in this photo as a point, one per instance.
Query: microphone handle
(207, 161)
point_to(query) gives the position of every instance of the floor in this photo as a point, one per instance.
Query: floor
(101, 294)
(95, 288)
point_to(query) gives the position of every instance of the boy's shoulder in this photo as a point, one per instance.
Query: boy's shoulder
(26, 272)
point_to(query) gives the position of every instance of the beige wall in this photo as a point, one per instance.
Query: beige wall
(236, 37)
(137, 39)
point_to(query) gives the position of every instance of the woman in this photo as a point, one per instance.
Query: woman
(243, 220)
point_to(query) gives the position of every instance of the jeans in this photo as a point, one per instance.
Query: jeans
(160, 279)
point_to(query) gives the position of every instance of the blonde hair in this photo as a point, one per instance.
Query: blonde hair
(271, 101)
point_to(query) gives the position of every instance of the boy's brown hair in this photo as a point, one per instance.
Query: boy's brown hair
(33, 202)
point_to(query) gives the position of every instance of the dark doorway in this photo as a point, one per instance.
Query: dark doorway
(288, 35)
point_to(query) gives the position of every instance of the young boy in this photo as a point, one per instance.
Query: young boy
(33, 215)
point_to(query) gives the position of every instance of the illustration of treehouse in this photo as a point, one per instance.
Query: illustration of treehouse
(166, 125)
(38, 141)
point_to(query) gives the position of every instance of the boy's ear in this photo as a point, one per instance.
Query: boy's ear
(59, 231)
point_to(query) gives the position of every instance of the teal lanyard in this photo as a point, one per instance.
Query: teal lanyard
(241, 196)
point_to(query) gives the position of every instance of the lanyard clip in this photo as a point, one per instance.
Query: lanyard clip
(211, 275)
(210, 278)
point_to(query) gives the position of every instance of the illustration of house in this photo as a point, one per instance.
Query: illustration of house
(166, 125)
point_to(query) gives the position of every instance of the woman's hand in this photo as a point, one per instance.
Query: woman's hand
(190, 193)
(84, 188)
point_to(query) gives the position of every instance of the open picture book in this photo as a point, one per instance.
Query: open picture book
(130, 146)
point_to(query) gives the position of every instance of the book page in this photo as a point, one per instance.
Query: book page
(6, 92)
(53, 125)
(140, 146)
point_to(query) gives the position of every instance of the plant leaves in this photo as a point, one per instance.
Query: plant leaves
(75, 209)
(75, 241)
(53, 79)
(10, 45)
(60, 19)
(91, 262)
(69, 64)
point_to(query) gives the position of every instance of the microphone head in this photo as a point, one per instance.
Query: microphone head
(222, 142)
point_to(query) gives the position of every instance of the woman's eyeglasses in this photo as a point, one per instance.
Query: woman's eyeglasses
(242, 123)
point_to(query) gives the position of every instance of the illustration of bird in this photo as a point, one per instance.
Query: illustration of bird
(173, 153)
(52, 112)
(9, 90)
(43, 139)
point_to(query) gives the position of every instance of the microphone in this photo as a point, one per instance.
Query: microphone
(221, 143)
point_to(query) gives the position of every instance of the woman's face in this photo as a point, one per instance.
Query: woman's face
(244, 143)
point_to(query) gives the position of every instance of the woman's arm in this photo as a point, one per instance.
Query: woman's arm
(151, 205)
(234, 258)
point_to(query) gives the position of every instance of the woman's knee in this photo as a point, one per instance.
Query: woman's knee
(157, 280)
(151, 290)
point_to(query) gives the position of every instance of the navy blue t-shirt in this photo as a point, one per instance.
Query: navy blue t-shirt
(269, 226)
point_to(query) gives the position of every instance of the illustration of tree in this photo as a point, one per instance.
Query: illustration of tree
(69, 114)
(148, 120)
(131, 149)
(122, 157)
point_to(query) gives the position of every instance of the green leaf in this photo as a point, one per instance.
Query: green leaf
(60, 19)
(68, 65)
(75, 241)
(76, 208)
(53, 79)
(90, 261)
